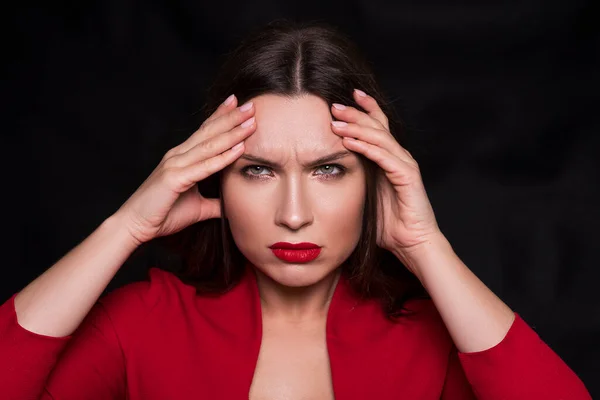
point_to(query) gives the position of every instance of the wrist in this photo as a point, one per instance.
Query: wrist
(117, 225)
(424, 255)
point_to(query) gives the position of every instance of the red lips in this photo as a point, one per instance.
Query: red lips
(296, 252)
(295, 246)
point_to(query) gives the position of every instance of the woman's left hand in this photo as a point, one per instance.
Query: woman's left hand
(407, 220)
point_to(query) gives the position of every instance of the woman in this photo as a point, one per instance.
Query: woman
(319, 271)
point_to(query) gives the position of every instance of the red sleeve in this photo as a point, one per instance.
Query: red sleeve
(456, 384)
(89, 364)
(521, 366)
(26, 358)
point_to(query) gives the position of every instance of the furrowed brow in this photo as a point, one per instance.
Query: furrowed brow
(319, 161)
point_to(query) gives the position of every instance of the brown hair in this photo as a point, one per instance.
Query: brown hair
(289, 58)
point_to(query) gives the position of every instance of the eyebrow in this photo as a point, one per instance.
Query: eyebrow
(319, 161)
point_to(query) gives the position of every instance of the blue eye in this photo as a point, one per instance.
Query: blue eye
(254, 172)
(330, 167)
(253, 169)
(326, 171)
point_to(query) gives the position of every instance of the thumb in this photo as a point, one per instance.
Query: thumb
(210, 208)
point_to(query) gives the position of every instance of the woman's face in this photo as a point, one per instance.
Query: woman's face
(289, 198)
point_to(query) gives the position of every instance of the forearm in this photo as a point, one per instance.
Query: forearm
(474, 316)
(57, 301)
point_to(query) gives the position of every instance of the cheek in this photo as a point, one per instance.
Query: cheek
(236, 211)
(341, 212)
(242, 208)
(337, 209)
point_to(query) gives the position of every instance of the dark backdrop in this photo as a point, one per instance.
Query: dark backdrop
(500, 100)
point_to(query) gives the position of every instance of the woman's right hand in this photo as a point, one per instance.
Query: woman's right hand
(168, 201)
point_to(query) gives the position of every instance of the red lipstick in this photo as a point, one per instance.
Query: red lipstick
(295, 252)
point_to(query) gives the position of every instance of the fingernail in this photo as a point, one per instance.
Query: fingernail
(360, 93)
(246, 107)
(339, 124)
(229, 100)
(339, 106)
(247, 123)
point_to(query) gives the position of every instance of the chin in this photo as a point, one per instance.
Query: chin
(295, 275)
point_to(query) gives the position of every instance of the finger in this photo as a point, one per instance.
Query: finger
(230, 119)
(226, 106)
(351, 114)
(371, 107)
(214, 145)
(220, 124)
(396, 169)
(377, 137)
(203, 208)
(201, 170)
(211, 208)
(229, 104)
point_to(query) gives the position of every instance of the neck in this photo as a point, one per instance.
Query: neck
(296, 304)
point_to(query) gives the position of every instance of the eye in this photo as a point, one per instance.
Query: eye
(329, 168)
(327, 171)
(254, 171)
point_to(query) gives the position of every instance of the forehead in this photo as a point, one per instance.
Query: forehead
(300, 123)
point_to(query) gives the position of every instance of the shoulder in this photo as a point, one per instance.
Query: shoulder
(420, 323)
(159, 308)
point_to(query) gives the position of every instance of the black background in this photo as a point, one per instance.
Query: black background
(500, 99)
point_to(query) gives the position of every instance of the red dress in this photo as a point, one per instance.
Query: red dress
(157, 339)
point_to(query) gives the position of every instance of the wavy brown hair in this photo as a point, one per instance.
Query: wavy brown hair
(290, 59)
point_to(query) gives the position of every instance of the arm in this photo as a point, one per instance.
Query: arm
(501, 355)
(37, 323)
(86, 365)
(56, 302)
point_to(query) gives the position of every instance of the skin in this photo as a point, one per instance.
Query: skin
(294, 202)
(291, 199)
(286, 207)
(284, 200)
(299, 206)
(289, 203)
(474, 316)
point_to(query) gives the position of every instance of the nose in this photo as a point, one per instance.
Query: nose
(294, 210)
